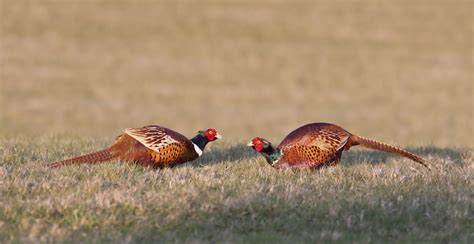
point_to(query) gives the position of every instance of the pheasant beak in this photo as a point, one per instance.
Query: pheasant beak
(218, 136)
(250, 144)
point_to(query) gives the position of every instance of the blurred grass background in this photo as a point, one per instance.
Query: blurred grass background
(397, 71)
(74, 74)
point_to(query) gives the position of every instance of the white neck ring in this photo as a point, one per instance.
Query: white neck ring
(197, 149)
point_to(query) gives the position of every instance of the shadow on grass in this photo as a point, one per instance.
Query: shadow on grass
(378, 157)
(242, 152)
(230, 154)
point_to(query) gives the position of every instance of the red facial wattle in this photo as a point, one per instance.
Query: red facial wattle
(211, 134)
(258, 144)
(258, 147)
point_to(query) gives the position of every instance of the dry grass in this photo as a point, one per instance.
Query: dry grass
(230, 195)
(73, 74)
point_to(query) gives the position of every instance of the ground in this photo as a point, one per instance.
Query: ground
(231, 194)
(74, 74)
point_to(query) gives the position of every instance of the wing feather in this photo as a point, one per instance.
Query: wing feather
(324, 137)
(330, 143)
(152, 137)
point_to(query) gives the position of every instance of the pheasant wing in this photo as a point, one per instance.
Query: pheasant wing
(329, 141)
(323, 137)
(153, 137)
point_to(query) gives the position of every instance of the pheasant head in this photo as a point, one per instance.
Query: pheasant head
(203, 137)
(211, 134)
(259, 144)
(266, 148)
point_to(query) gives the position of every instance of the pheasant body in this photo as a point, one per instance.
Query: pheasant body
(154, 146)
(319, 144)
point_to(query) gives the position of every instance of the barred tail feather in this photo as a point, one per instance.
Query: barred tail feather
(368, 143)
(91, 158)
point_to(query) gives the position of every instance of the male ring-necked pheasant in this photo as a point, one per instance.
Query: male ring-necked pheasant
(152, 145)
(319, 144)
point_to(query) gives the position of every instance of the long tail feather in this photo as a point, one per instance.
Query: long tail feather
(368, 143)
(91, 158)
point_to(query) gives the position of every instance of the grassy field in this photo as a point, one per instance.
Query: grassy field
(74, 74)
(230, 195)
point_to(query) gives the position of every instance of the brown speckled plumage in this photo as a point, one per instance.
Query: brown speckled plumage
(321, 144)
(154, 146)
